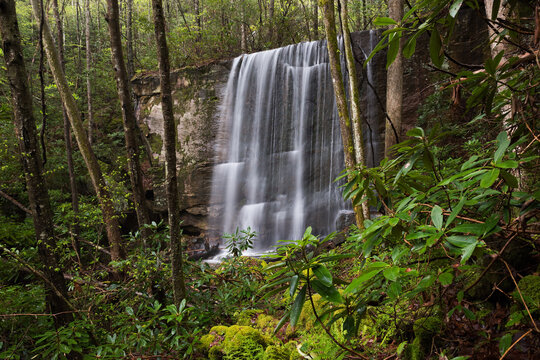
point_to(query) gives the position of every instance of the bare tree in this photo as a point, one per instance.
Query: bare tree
(90, 115)
(179, 287)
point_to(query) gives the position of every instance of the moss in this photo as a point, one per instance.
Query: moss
(266, 323)
(243, 342)
(215, 353)
(273, 352)
(206, 341)
(530, 289)
(247, 317)
(424, 330)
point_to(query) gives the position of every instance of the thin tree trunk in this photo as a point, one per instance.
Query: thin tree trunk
(354, 93)
(129, 40)
(315, 20)
(90, 115)
(128, 116)
(179, 287)
(67, 134)
(394, 86)
(271, 6)
(339, 91)
(25, 128)
(243, 29)
(109, 216)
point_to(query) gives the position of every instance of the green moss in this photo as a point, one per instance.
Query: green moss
(276, 353)
(215, 353)
(206, 341)
(247, 317)
(530, 289)
(424, 330)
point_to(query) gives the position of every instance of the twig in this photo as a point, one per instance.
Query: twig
(514, 344)
(520, 295)
(15, 202)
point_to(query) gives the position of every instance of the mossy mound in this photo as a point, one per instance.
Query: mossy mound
(273, 352)
(424, 330)
(530, 289)
(234, 342)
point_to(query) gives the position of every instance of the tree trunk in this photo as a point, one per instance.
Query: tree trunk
(109, 217)
(128, 116)
(339, 91)
(394, 86)
(129, 40)
(315, 20)
(25, 128)
(67, 134)
(354, 93)
(90, 115)
(179, 287)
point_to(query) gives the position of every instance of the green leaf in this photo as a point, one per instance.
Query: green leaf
(461, 241)
(455, 211)
(384, 21)
(359, 281)
(437, 216)
(509, 179)
(467, 251)
(508, 164)
(446, 278)
(489, 178)
(328, 293)
(394, 290)
(435, 48)
(476, 229)
(454, 8)
(393, 48)
(469, 314)
(348, 326)
(281, 322)
(416, 132)
(294, 285)
(297, 306)
(401, 347)
(505, 342)
(495, 9)
(409, 48)
(391, 273)
(322, 273)
(504, 142)
(393, 221)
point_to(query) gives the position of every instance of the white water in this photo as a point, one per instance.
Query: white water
(279, 147)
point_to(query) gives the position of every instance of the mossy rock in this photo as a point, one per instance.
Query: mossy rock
(530, 289)
(424, 330)
(243, 342)
(247, 317)
(273, 352)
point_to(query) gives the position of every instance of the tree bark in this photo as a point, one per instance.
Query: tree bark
(90, 115)
(394, 86)
(109, 216)
(327, 7)
(179, 287)
(128, 116)
(67, 133)
(354, 93)
(129, 40)
(25, 128)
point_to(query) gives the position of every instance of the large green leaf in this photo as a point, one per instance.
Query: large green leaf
(489, 178)
(435, 48)
(328, 293)
(297, 306)
(294, 285)
(437, 216)
(384, 21)
(454, 8)
(503, 143)
(322, 273)
(357, 283)
(393, 48)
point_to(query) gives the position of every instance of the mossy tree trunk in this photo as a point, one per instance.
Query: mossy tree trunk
(109, 215)
(169, 126)
(128, 115)
(354, 93)
(327, 7)
(25, 128)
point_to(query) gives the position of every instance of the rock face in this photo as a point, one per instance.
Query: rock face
(196, 95)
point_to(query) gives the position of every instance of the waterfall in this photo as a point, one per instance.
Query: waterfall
(279, 148)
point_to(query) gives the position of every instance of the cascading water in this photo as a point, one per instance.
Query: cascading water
(279, 147)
